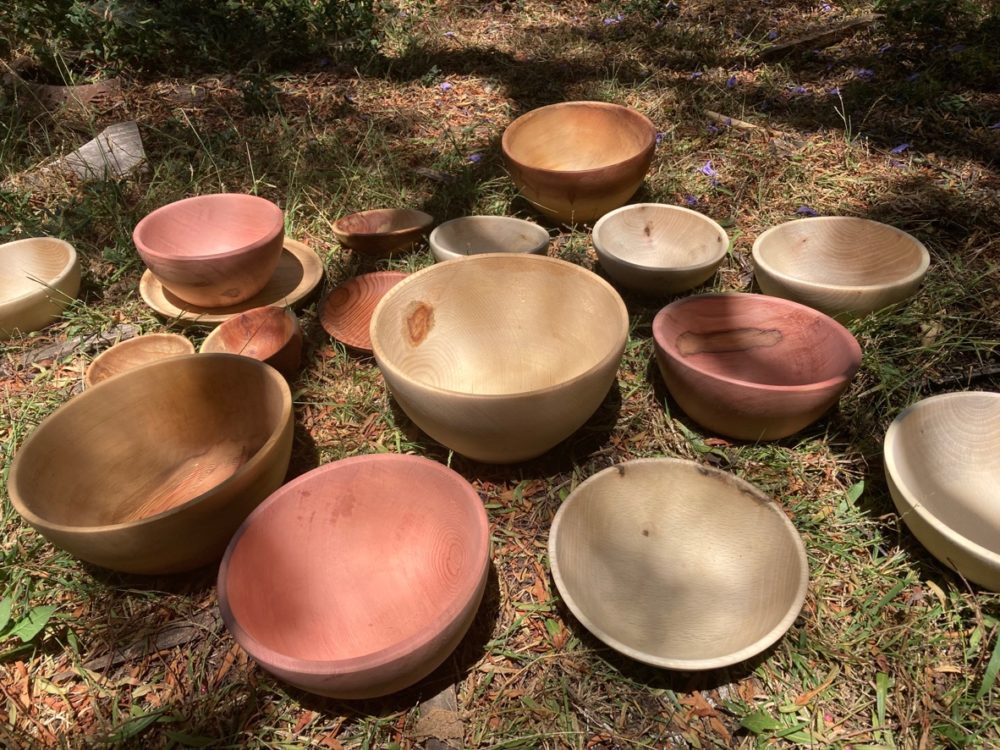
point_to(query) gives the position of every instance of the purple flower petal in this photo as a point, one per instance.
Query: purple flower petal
(611, 21)
(899, 149)
(865, 74)
(884, 48)
(806, 211)
(707, 169)
(835, 91)
(449, 33)
(995, 126)
(690, 200)
(659, 138)
(711, 129)
(475, 158)
(800, 90)
(446, 86)
(696, 75)
(826, 7)
(772, 35)
(912, 77)
(731, 82)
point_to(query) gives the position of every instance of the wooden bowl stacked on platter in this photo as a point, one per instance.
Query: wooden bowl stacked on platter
(269, 334)
(39, 277)
(474, 235)
(136, 352)
(381, 232)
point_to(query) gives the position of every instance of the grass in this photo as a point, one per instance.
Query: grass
(891, 649)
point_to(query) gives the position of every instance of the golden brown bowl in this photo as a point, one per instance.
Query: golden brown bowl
(154, 470)
(269, 334)
(381, 232)
(575, 161)
(136, 352)
(39, 277)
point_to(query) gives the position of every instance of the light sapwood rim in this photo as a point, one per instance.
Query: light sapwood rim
(183, 344)
(44, 285)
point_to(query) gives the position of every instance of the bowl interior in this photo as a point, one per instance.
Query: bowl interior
(28, 266)
(136, 352)
(661, 237)
(260, 333)
(383, 221)
(346, 314)
(473, 235)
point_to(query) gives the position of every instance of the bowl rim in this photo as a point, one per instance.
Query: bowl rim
(34, 519)
(425, 220)
(72, 263)
(442, 253)
(289, 317)
(670, 350)
(743, 487)
(388, 654)
(603, 251)
(351, 282)
(127, 344)
(276, 228)
(912, 503)
(383, 363)
(759, 259)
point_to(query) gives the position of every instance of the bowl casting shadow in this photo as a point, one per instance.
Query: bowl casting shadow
(381, 232)
(135, 352)
(474, 235)
(39, 277)
(269, 334)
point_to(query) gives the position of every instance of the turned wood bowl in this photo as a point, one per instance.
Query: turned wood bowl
(499, 357)
(212, 250)
(575, 161)
(474, 235)
(381, 232)
(269, 334)
(153, 471)
(944, 477)
(346, 313)
(844, 266)
(135, 352)
(39, 277)
(677, 564)
(359, 578)
(657, 249)
(750, 366)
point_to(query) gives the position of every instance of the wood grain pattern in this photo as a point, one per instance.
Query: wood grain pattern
(269, 334)
(346, 313)
(135, 352)
(381, 232)
(474, 235)
(39, 277)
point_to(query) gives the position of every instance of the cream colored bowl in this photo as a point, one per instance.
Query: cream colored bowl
(475, 235)
(39, 277)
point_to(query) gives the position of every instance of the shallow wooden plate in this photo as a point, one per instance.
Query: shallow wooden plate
(346, 313)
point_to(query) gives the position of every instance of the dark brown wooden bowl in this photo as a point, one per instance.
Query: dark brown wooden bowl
(381, 232)
(270, 334)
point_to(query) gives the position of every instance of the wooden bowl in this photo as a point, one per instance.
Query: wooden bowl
(677, 564)
(841, 265)
(750, 366)
(213, 250)
(136, 352)
(154, 470)
(575, 161)
(346, 314)
(38, 279)
(473, 235)
(360, 577)
(269, 334)
(941, 466)
(499, 357)
(381, 232)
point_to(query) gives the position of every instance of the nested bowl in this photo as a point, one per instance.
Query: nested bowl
(750, 366)
(269, 334)
(154, 470)
(575, 161)
(474, 235)
(381, 232)
(135, 352)
(677, 564)
(212, 250)
(657, 249)
(39, 277)
(360, 577)
(499, 357)
(842, 265)
(944, 477)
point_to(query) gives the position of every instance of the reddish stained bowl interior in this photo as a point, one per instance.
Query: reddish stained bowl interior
(259, 333)
(382, 221)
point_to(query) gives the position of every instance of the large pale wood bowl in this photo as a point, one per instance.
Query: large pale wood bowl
(658, 249)
(474, 235)
(39, 277)
(381, 232)
(944, 477)
(499, 357)
(135, 352)
(212, 250)
(153, 471)
(269, 334)
(575, 161)
(842, 265)
(750, 366)
(346, 313)
(677, 564)
(359, 578)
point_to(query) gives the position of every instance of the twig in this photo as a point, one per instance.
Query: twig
(817, 38)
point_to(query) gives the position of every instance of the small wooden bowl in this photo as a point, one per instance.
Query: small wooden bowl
(134, 353)
(212, 250)
(657, 249)
(162, 463)
(677, 564)
(38, 279)
(844, 266)
(269, 334)
(941, 466)
(575, 161)
(346, 314)
(381, 232)
(474, 235)
(360, 577)
(499, 357)
(750, 366)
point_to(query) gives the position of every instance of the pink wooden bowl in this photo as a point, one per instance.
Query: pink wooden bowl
(212, 250)
(360, 577)
(270, 334)
(381, 232)
(750, 366)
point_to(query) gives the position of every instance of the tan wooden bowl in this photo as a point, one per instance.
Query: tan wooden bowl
(359, 578)
(677, 564)
(944, 477)
(346, 313)
(269, 334)
(499, 357)
(842, 265)
(575, 161)
(134, 353)
(381, 232)
(154, 470)
(39, 277)
(658, 249)
(474, 235)
(213, 250)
